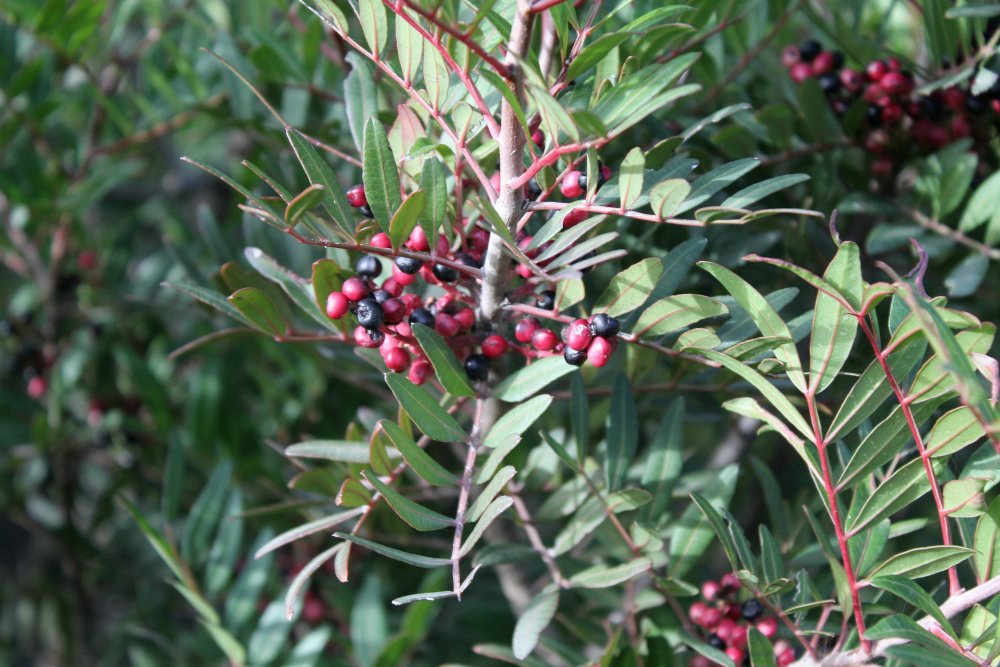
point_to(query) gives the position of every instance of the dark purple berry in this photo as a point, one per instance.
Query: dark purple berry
(368, 267)
(408, 265)
(604, 326)
(422, 316)
(477, 366)
(546, 300)
(574, 357)
(445, 273)
(370, 314)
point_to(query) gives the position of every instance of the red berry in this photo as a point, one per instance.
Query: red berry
(712, 615)
(883, 168)
(442, 246)
(87, 260)
(851, 79)
(786, 657)
(494, 346)
(478, 239)
(954, 99)
(524, 271)
(495, 181)
(356, 196)
(738, 637)
(362, 338)
(733, 612)
(337, 305)
(380, 240)
(570, 186)
(418, 240)
(412, 301)
(767, 626)
(525, 329)
(710, 589)
(960, 127)
(578, 335)
(37, 387)
(392, 286)
(700, 661)
(600, 351)
(397, 360)
(730, 582)
(874, 93)
(445, 325)
(875, 70)
(355, 289)
(823, 63)
(893, 64)
(800, 72)
(420, 371)
(403, 329)
(574, 218)
(790, 55)
(892, 114)
(725, 629)
(896, 83)
(697, 612)
(466, 318)
(735, 655)
(313, 609)
(544, 340)
(538, 138)
(393, 310)
(401, 278)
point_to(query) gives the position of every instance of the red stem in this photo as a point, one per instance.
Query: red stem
(462, 74)
(925, 456)
(465, 38)
(838, 526)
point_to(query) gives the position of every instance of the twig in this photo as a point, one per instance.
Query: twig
(463, 501)
(953, 234)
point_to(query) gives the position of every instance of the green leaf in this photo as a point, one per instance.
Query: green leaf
(406, 218)
(369, 627)
(899, 626)
(381, 179)
(629, 289)
(205, 515)
(532, 378)
(708, 184)
(692, 534)
(593, 53)
(353, 493)
(409, 49)
(295, 287)
(777, 399)
(910, 592)
(229, 644)
(718, 524)
(676, 312)
(319, 172)
(834, 328)
(361, 97)
(602, 576)
(986, 542)
(923, 561)
(761, 651)
(768, 322)
(623, 433)
(330, 13)
(884, 442)
(259, 311)
(418, 516)
(446, 366)
(502, 446)
(926, 656)
(331, 450)
(437, 79)
(429, 417)
(433, 182)
(374, 24)
(163, 548)
(974, 10)
(533, 621)
(593, 513)
(302, 203)
(210, 298)
(517, 420)
(964, 498)
(630, 176)
(305, 574)
(489, 515)
(902, 488)
(754, 193)
(419, 461)
(487, 495)
(666, 198)
(666, 457)
(297, 533)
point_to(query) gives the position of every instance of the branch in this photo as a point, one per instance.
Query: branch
(496, 263)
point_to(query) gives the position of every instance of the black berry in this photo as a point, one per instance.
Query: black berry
(376, 336)
(838, 60)
(366, 211)
(604, 325)
(574, 357)
(829, 82)
(408, 265)
(534, 190)
(422, 316)
(381, 296)
(751, 609)
(874, 115)
(368, 267)
(546, 300)
(445, 273)
(468, 260)
(809, 49)
(370, 314)
(977, 105)
(715, 641)
(477, 366)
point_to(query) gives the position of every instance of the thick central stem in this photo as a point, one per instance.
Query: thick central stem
(496, 263)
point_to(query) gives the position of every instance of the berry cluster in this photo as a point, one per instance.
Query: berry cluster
(726, 623)
(896, 119)
(386, 313)
(582, 340)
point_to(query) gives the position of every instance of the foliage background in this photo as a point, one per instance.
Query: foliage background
(98, 101)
